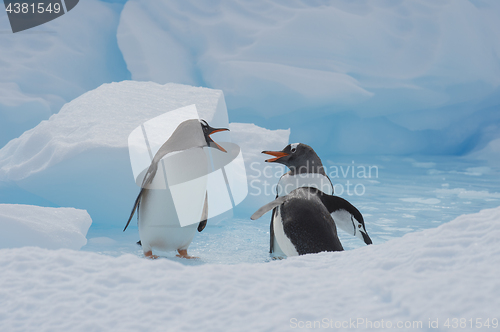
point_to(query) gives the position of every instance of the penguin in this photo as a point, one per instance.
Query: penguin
(157, 219)
(305, 223)
(306, 169)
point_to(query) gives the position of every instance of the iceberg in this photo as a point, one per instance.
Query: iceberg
(373, 77)
(262, 177)
(79, 157)
(47, 66)
(50, 228)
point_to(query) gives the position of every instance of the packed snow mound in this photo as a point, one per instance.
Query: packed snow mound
(79, 157)
(437, 274)
(421, 72)
(49, 65)
(249, 137)
(260, 175)
(103, 117)
(50, 228)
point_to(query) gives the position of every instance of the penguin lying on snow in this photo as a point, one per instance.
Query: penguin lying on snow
(302, 160)
(157, 220)
(306, 225)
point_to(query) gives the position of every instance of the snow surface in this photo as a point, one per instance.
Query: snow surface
(79, 157)
(436, 274)
(50, 228)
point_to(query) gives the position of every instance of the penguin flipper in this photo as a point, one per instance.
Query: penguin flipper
(271, 233)
(332, 203)
(204, 215)
(271, 230)
(150, 174)
(136, 206)
(148, 179)
(269, 206)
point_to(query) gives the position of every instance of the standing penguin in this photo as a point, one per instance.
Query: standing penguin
(306, 169)
(158, 224)
(305, 225)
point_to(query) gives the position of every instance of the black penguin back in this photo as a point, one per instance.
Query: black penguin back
(308, 224)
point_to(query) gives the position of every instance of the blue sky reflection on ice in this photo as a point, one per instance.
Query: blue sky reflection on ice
(409, 195)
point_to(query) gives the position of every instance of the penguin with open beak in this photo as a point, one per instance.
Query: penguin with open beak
(155, 214)
(302, 160)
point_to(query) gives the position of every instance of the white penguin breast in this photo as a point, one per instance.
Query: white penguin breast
(283, 241)
(289, 183)
(159, 226)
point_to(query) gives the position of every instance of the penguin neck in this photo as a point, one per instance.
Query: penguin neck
(312, 165)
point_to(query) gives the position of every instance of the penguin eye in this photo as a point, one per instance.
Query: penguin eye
(293, 150)
(359, 226)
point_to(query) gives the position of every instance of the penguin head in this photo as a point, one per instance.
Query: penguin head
(207, 131)
(359, 228)
(299, 157)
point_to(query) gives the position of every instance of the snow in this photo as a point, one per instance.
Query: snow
(79, 157)
(50, 228)
(436, 274)
(355, 80)
(253, 140)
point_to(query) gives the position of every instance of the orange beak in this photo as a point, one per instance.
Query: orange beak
(216, 131)
(277, 154)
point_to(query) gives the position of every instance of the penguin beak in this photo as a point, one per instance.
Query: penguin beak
(213, 131)
(366, 238)
(277, 154)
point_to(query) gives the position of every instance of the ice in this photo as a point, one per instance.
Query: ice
(261, 176)
(79, 157)
(50, 228)
(430, 201)
(490, 152)
(65, 290)
(469, 194)
(43, 68)
(376, 77)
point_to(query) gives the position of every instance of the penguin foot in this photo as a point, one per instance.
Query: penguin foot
(184, 254)
(149, 254)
